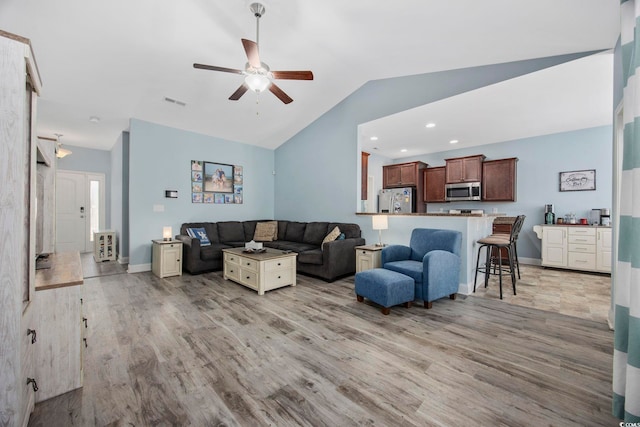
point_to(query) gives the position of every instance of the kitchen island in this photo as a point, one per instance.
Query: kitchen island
(472, 226)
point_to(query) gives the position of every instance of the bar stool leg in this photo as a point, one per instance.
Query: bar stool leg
(487, 266)
(512, 268)
(475, 278)
(500, 274)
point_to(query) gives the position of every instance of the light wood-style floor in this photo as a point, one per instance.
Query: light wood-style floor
(202, 351)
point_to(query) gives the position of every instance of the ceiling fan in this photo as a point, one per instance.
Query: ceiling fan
(258, 76)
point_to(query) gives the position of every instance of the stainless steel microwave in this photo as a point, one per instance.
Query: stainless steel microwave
(462, 191)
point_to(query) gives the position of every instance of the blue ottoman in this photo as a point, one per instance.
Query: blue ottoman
(385, 287)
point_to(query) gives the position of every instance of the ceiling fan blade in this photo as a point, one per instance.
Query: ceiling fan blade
(280, 94)
(239, 92)
(214, 68)
(293, 75)
(251, 49)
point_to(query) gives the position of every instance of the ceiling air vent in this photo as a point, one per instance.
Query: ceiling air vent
(175, 101)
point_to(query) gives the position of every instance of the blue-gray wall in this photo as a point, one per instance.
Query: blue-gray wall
(160, 159)
(120, 194)
(317, 174)
(540, 160)
(92, 161)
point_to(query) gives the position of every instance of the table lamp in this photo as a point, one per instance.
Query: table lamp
(380, 223)
(166, 233)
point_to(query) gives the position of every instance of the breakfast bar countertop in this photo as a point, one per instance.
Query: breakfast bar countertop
(447, 214)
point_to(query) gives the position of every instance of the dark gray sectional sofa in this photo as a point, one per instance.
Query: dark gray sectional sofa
(332, 260)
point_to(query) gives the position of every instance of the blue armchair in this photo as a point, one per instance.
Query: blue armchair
(432, 260)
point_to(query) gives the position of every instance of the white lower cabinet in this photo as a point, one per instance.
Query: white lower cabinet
(554, 246)
(60, 341)
(603, 249)
(577, 247)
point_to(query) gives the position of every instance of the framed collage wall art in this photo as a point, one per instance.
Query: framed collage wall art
(216, 183)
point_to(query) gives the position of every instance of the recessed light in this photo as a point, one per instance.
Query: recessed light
(404, 150)
(374, 138)
(94, 119)
(453, 141)
(431, 125)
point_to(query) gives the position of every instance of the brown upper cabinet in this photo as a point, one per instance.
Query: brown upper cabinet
(499, 182)
(464, 169)
(402, 175)
(433, 184)
(364, 176)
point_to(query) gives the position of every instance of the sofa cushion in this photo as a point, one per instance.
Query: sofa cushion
(313, 256)
(282, 229)
(266, 231)
(351, 231)
(199, 233)
(315, 232)
(290, 246)
(230, 231)
(210, 227)
(295, 231)
(333, 235)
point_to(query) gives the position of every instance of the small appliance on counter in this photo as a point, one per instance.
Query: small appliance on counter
(594, 218)
(549, 215)
(466, 211)
(605, 217)
(397, 200)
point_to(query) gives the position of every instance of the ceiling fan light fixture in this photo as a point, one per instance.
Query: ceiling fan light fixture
(257, 82)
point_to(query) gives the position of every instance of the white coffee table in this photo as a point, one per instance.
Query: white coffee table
(260, 271)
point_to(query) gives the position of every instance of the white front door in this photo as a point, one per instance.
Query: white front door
(79, 210)
(71, 210)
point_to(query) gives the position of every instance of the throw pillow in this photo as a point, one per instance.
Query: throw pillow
(200, 234)
(341, 237)
(333, 235)
(265, 231)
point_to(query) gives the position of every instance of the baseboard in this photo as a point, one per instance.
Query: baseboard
(123, 260)
(139, 268)
(530, 261)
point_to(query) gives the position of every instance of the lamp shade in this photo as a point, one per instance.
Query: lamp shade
(257, 82)
(380, 222)
(166, 233)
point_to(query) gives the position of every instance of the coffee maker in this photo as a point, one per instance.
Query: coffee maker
(549, 215)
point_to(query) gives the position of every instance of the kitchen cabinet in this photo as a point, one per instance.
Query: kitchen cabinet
(433, 181)
(603, 249)
(581, 248)
(464, 169)
(554, 246)
(364, 176)
(406, 175)
(499, 180)
(402, 175)
(576, 247)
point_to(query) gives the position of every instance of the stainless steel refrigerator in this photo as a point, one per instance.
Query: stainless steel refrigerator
(397, 200)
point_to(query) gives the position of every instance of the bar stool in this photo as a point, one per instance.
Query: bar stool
(493, 245)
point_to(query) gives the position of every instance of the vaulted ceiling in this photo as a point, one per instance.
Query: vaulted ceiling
(120, 59)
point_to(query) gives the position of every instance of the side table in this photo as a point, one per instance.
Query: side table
(166, 258)
(368, 257)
